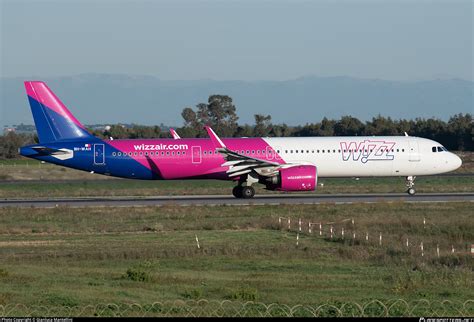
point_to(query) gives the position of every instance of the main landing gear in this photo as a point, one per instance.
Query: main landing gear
(244, 192)
(410, 182)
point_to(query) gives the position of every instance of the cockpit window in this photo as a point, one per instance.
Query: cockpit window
(440, 149)
(433, 149)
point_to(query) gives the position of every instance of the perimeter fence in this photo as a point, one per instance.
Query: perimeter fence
(229, 308)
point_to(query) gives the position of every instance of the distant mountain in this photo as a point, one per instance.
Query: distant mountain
(111, 98)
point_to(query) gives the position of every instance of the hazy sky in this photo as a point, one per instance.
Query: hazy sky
(247, 40)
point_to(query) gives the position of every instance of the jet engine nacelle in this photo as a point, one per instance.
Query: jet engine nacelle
(296, 178)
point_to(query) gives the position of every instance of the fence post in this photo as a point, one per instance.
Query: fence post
(299, 224)
(380, 239)
(297, 238)
(342, 232)
(320, 229)
(421, 246)
(197, 242)
(289, 223)
(331, 232)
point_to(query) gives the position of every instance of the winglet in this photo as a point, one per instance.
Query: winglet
(174, 134)
(214, 138)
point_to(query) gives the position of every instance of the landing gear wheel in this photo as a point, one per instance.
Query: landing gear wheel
(237, 191)
(410, 182)
(248, 192)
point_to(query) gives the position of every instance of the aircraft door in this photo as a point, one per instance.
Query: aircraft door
(99, 154)
(413, 153)
(196, 155)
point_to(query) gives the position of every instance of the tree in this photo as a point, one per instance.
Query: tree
(381, 125)
(219, 113)
(11, 142)
(263, 125)
(348, 126)
(460, 131)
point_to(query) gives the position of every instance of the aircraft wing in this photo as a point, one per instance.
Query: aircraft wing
(174, 134)
(240, 164)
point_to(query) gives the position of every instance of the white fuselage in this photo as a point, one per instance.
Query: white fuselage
(364, 156)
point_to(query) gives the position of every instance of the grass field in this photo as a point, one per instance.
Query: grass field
(66, 257)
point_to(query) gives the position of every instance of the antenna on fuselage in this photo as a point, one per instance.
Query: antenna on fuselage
(406, 134)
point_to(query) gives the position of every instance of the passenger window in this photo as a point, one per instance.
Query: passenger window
(253, 151)
(146, 153)
(403, 150)
(141, 153)
(167, 152)
(302, 151)
(286, 151)
(317, 151)
(178, 153)
(334, 151)
(296, 151)
(184, 152)
(136, 153)
(119, 154)
(113, 153)
(291, 151)
(323, 151)
(172, 153)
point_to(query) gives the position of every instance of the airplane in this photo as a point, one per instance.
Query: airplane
(279, 163)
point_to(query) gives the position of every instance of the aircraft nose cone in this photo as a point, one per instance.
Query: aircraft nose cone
(457, 162)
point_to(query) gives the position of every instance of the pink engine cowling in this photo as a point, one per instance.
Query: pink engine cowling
(297, 178)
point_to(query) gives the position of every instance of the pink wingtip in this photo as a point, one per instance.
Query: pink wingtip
(214, 138)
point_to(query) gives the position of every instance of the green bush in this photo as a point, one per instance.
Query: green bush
(137, 275)
(245, 294)
(195, 293)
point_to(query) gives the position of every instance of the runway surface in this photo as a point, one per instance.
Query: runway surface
(203, 200)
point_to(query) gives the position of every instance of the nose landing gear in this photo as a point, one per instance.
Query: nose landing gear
(410, 183)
